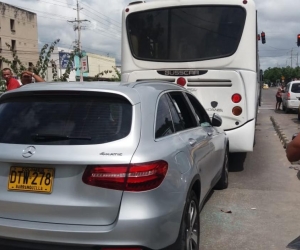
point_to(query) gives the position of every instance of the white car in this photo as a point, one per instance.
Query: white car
(291, 96)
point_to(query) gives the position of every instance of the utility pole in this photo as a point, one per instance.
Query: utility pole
(78, 28)
(292, 58)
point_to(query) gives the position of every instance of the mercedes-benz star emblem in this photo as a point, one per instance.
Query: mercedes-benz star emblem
(214, 104)
(28, 152)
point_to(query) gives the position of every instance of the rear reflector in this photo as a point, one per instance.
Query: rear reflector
(131, 177)
(236, 98)
(237, 110)
(181, 81)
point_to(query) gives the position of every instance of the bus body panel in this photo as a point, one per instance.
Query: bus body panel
(236, 73)
(244, 58)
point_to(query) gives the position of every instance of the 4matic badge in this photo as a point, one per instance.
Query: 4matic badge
(214, 108)
(111, 154)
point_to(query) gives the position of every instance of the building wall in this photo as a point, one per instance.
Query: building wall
(98, 64)
(20, 26)
(60, 71)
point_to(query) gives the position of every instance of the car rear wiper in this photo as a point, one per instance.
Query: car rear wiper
(56, 137)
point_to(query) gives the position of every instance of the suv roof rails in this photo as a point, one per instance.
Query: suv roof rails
(136, 2)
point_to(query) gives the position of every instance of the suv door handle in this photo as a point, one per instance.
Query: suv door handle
(192, 142)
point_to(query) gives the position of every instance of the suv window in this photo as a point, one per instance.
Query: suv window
(295, 88)
(201, 114)
(164, 125)
(64, 119)
(182, 114)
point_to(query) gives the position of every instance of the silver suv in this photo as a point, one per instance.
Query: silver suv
(106, 166)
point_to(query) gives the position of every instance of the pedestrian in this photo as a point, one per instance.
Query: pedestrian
(293, 149)
(11, 83)
(28, 77)
(278, 98)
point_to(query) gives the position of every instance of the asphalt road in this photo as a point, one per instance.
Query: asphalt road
(263, 198)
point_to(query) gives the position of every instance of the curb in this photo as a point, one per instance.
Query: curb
(284, 140)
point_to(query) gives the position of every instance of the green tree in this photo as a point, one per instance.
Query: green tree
(115, 78)
(42, 64)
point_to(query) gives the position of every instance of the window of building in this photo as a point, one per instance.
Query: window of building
(30, 64)
(12, 25)
(13, 45)
(0, 45)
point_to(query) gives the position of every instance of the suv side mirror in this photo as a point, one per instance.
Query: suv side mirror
(216, 120)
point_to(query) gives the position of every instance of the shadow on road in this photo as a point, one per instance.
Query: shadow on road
(236, 162)
(295, 120)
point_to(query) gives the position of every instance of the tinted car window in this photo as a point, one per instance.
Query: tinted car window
(295, 88)
(52, 119)
(201, 114)
(186, 33)
(182, 115)
(164, 125)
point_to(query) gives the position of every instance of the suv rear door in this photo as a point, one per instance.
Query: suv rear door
(48, 139)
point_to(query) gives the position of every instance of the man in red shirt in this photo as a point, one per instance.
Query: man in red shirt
(11, 83)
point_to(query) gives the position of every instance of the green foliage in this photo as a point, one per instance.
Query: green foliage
(275, 74)
(115, 78)
(42, 64)
(2, 84)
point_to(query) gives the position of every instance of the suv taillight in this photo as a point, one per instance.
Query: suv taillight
(131, 177)
(288, 95)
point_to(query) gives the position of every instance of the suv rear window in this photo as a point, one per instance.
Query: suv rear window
(295, 88)
(64, 119)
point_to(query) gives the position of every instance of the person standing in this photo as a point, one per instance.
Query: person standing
(11, 83)
(278, 98)
(28, 76)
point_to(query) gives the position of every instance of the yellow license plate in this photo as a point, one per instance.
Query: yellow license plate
(29, 179)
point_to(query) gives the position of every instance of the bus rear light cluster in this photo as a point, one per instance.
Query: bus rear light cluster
(181, 81)
(237, 110)
(236, 98)
(127, 177)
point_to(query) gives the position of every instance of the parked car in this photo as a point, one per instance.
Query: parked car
(265, 86)
(291, 96)
(106, 166)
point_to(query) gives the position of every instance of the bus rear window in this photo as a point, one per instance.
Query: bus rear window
(188, 33)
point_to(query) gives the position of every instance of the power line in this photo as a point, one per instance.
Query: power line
(102, 14)
(78, 27)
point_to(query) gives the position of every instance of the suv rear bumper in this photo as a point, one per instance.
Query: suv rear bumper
(292, 104)
(153, 227)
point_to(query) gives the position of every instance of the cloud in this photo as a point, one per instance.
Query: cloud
(278, 19)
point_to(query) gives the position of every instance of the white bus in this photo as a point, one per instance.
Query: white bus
(208, 46)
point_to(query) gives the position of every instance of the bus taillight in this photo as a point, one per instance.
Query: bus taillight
(236, 98)
(237, 110)
(181, 81)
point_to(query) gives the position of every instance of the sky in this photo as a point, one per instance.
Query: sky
(280, 20)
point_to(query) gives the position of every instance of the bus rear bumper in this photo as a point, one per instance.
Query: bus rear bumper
(241, 139)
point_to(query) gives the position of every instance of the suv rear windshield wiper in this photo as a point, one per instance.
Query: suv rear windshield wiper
(56, 137)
